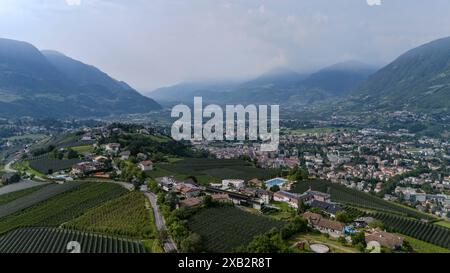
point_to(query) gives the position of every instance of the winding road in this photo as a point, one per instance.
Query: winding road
(169, 245)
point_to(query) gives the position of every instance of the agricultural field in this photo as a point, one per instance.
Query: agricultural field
(23, 185)
(36, 197)
(217, 169)
(9, 197)
(63, 207)
(429, 233)
(83, 149)
(443, 223)
(55, 240)
(49, 165)
(129, 215)
(424, 247)
(359, 199)
(224, 229)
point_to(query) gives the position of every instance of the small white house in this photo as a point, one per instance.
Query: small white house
(233, 183)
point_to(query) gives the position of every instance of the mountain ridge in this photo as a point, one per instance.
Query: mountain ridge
(50, 84)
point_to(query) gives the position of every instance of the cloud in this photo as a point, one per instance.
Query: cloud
(73, 2)
(374, 2)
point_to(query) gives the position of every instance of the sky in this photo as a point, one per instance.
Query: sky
(154, 43)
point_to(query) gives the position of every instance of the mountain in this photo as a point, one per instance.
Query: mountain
(50, 84)
(418, 80)
(280, 86)
(339, 78)
(185, 92)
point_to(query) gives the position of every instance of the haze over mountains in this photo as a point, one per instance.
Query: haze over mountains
(276, 86)
(418, 80)
(50, 84)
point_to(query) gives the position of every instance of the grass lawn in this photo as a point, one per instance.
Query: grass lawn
(443, 223)
(24, 165)
(83, 149)
(424, 247)
(311, 238)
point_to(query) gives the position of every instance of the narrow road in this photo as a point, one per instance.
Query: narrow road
(169, 245)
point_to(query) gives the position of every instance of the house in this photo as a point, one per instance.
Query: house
(10, 178)
(221, 197)
(265, 196)
(329, 208)
(311, 195)
(187, 190)
(331, 227)
(286, 197)
(362, 222)
(190, 202)
(146, 165)
(255, 182)
(385, 239)
(125, 155)
(166, 183)
(85, 168)
(233, 183)
(112, 148)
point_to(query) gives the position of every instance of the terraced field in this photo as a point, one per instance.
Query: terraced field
(224, 229)
(63, 207)
(55, 240)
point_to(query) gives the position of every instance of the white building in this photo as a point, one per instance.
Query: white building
(233, 183)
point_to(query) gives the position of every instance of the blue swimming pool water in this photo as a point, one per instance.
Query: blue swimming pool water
(276, 182)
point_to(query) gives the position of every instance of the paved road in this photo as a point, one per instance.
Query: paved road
(8, 168)
(169, 245)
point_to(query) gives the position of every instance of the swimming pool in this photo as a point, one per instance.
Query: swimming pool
(276, 182)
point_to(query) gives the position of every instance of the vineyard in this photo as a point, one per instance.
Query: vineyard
(224, 229)
(64, 207)
(35, 197)
(9, 197)
(420, 230)
(129, 215)
(359, 199)
(54, 240)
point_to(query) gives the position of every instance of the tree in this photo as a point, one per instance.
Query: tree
(192, 244)
(208, 201)
(267, 243)
(359, 239)
(275, 188)
(376, 224)
(303, 207)
(72, 154)
(298, 174)
(343, 217)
